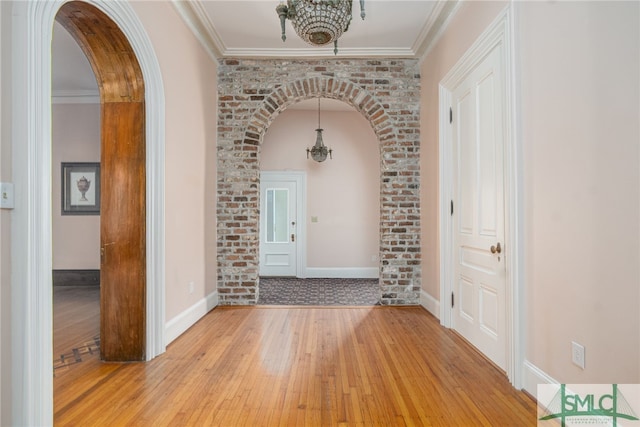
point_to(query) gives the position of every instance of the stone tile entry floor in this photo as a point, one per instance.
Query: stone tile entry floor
(336, 292)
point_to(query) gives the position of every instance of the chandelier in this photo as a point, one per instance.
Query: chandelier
(318, 22)
(319, 151)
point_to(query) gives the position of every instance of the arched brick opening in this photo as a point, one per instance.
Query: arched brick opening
(245, 113)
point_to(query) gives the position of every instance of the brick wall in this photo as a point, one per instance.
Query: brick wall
(252, 93)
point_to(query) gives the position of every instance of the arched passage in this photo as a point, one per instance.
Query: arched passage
(245, 117)
(32, 385)
(123, 197)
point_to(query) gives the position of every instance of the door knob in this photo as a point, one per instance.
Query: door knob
(496, 249)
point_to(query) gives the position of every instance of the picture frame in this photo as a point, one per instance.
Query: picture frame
(80, 188)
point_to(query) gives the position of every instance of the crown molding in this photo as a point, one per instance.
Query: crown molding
(434, 27)
(318, 52)
(196, 18)
(194, 15)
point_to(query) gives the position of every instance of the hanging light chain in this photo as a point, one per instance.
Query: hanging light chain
(319, 151)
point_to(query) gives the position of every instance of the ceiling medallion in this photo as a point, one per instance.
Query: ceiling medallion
(318, 22)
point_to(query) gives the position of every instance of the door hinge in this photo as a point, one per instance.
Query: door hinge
(452, 208)
(450, 115)
(452, 300)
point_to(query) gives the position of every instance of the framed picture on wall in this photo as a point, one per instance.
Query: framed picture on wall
(80, 188)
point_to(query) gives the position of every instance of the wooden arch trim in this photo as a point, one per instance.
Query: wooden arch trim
(123, 179)
(110, 54)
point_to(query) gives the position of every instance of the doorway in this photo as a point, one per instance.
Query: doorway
(397, 173)
(31, 235)
(478, 210)
(338, 216)
(123, 197)
(479, 214)
(282, 235)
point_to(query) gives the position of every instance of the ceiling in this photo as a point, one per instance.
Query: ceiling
(251, 28)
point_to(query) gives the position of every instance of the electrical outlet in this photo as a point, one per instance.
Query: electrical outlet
(577, 354)
(191, 287)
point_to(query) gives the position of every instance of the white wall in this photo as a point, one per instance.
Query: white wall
(579, 110)
(343, 193)
(75, 138)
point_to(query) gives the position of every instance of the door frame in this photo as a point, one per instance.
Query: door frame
(31, 261)
(300, 178)
(498, 35)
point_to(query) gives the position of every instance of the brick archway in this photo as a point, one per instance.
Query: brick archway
(386, 93)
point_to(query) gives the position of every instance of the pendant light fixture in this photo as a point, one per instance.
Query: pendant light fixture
(319, 151)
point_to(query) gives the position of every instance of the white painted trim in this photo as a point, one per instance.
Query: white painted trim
(532, 376)
(31, 258)
(429, 303)
(514, 188)
(75, 97)
(498, 34)
(343, 273)
(183, 321)
(31, 264)
(446, 196)
(196, 18)
(435, 26)
(321, 52)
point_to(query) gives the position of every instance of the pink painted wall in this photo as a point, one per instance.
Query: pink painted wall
(190, 88)
(190, 96)
(75, 138)
(465, 27)
(577, 78)
(189, 82)
(580, 86)
(342, 193)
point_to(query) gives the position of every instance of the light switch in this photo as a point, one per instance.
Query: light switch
(314, 219)
(6, 195)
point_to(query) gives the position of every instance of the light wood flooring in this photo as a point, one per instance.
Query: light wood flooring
(76, 326)
(299, 366)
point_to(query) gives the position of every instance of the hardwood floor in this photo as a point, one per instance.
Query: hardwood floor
(281, 366)
(76, 326)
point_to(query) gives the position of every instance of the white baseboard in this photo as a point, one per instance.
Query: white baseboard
(534, 376)
(183, 321)
(431, 304)
(343, 273)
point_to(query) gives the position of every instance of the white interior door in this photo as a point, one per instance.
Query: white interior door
(279, 225)
(479, 311)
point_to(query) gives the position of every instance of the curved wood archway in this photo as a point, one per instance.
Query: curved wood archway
(123, 194)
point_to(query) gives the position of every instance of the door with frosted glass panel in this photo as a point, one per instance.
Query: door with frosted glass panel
(278, 237)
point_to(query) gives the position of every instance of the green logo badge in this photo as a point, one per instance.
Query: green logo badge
(594, 407)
